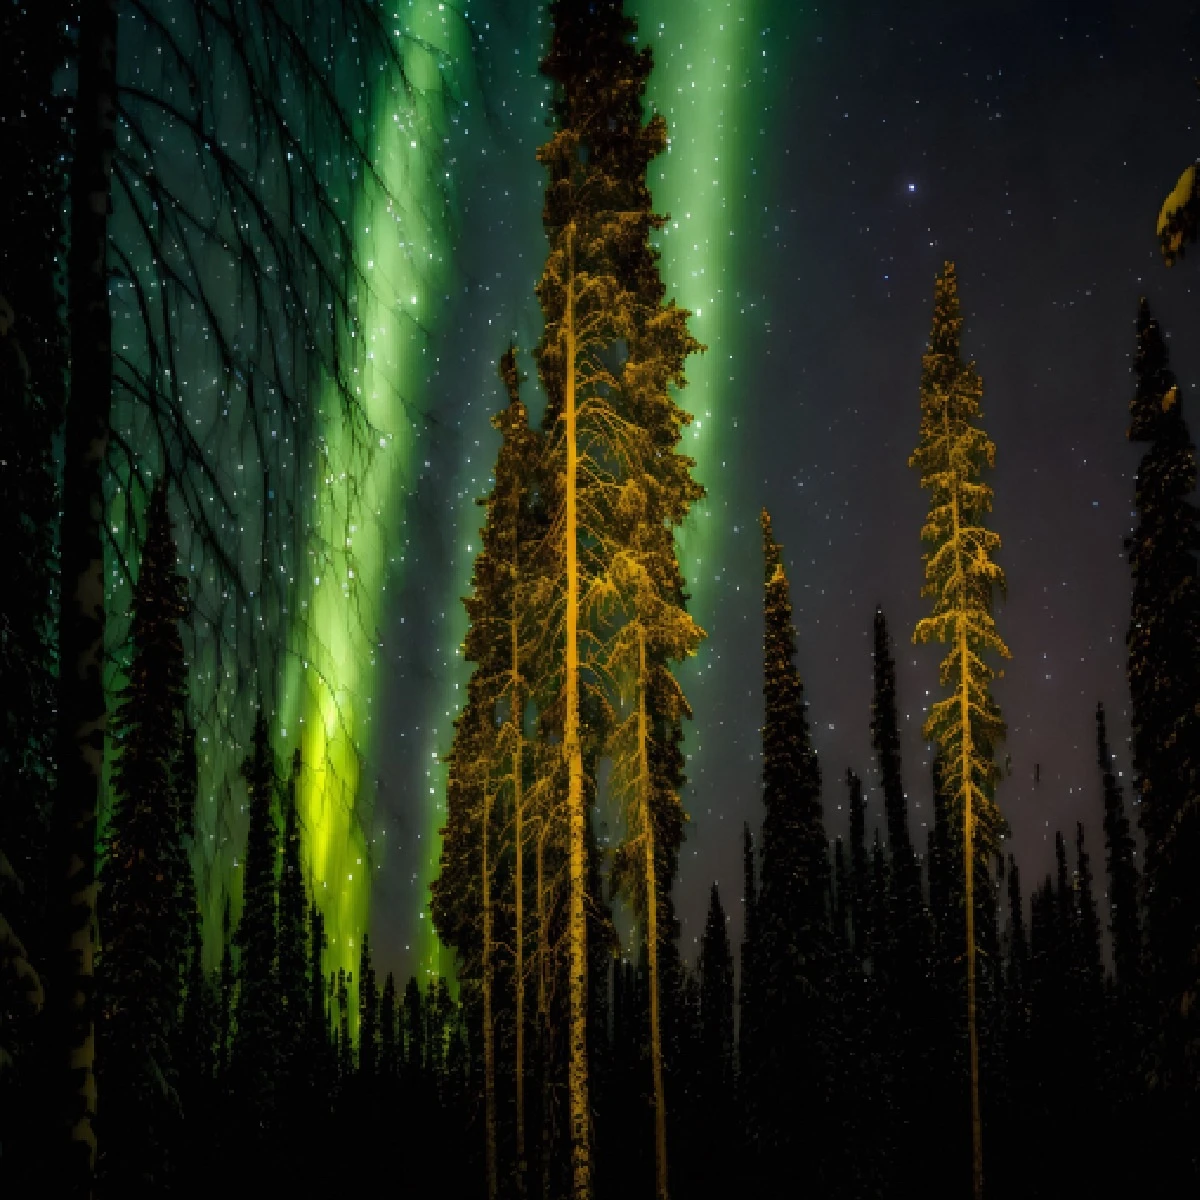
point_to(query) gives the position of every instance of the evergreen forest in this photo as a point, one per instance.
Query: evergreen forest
(903, 1013)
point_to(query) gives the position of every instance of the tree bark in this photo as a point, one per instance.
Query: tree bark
(489, 1032)
(82, 716)
(516, 716)
(656, 1061)
(577, 1064)
(968, 871)
(543, 1006)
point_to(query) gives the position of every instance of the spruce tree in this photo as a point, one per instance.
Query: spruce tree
(908, 917)
(368, 1015)
(390, 1037)
(413, 1022)
(859, 881)
(344, 1046)
(195, 1050)
(486, 792)
(293, 952)
(1090, 1113)
(1017, 963)
(748, 1007)
(1089, 965)
(1125, 925)
(1164, 682)
(197, 1040)
(146, 878)
(254, 1061)
(615, 489)
(317, 1040)
(907, 1033)
(716, 1002)
(1022, 1070)
(795, 961)
(840, 900)
(1049, 1031)
(960, 578)
(1124, 1035)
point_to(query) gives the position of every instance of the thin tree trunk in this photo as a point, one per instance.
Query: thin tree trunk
(968, 875)
(543, 1008)
(489, 1032)
(516, 715)
(577, 1063)
(660, 1100)
(82, 714)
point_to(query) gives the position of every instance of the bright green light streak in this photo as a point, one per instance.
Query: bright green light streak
(402, 240)
(698, 85)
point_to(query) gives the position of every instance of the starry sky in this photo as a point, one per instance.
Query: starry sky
(857, 146)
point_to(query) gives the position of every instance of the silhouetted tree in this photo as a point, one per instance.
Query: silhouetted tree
(1164, 684)
(795, 961)
(293, 948)
(147, 881)
(1125, 923)
(368, 1015)
(254, 1060)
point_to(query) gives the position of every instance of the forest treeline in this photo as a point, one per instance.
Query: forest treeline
(899, 1018)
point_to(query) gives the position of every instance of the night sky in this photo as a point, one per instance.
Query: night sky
(861, 146)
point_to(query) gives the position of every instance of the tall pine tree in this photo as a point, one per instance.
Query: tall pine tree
(293, 944)
(615, 488)
(146, 878)
(254, 1061)
(1164, 683)
(795, 960)
(1125, 923)
(488, 762)
(960, 578)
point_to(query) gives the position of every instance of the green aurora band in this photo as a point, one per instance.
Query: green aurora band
(700, 84)
(403, 237)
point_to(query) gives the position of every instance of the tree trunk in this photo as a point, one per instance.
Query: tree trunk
(489, 1032)
(516, 715)
(969, 877)
(82, 714)
(543, 1008)
(648, 843)
(577, 1063)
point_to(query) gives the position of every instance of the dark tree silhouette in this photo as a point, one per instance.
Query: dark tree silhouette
(1164, 683)
(795, 962)
(146, 877)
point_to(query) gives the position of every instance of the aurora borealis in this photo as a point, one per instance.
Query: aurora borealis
(821, 165)
(404, 222)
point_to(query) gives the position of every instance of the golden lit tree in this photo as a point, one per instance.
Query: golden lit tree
(615, 489)
(637, 621)
(960, 578)
(486, 793)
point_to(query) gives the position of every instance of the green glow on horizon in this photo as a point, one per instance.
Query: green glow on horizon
(402, 238)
